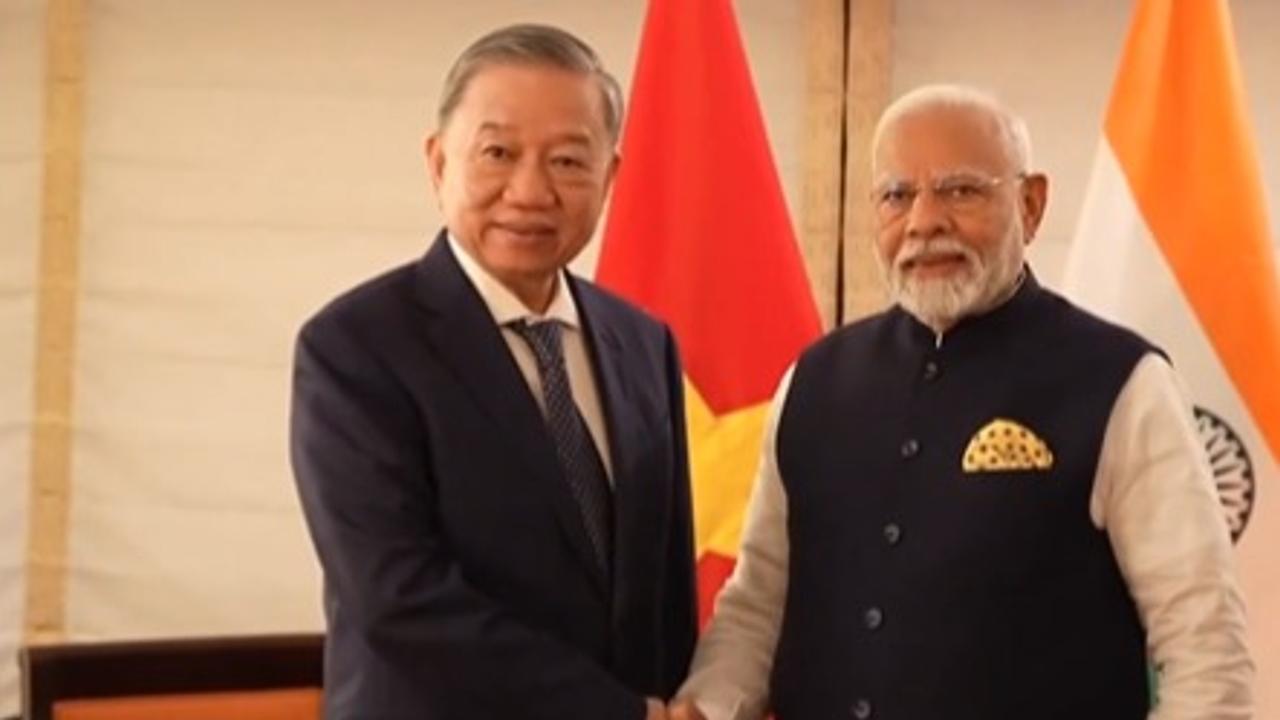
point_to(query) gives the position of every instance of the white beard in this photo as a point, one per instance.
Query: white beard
(982, 282)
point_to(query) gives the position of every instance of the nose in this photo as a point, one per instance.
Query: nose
(928, 215)
(529, 185)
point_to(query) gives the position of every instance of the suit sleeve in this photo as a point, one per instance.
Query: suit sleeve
(681, 607)
(359, 452)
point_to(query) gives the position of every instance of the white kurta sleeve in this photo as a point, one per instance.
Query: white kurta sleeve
(1154, 496)
(729, 676)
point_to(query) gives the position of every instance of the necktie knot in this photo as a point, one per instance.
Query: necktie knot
(544, 339)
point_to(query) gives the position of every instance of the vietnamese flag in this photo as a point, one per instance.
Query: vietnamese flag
(698, 234)
(1173, 241)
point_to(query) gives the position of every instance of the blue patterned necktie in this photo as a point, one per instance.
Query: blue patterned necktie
(579, 458)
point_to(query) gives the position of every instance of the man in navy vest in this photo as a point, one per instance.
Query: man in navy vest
(984, 502)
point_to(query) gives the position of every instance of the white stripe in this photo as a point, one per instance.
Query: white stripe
(1116, 270)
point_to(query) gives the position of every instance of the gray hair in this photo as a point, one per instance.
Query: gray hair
(529, 44)
(1014, 134)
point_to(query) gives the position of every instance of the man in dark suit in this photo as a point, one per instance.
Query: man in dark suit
(490, 452)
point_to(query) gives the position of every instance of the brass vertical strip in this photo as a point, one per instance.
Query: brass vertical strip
(824, 29)
(57, 284)
(870, 78)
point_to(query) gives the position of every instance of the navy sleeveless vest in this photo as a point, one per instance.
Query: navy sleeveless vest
(922, 587)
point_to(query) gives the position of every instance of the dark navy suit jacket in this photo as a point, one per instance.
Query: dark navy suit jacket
(459, 579)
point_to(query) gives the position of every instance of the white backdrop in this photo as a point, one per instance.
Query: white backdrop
(244, 162)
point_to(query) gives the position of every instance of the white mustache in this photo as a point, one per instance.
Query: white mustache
(913, 250)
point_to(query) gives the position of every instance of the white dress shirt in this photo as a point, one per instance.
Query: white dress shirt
(1154, 496)
(506, 308)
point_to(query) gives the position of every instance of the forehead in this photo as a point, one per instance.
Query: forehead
(531, 97)
(942, 139)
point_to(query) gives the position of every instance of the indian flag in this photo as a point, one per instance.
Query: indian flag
(1173, 241)
(698, 234)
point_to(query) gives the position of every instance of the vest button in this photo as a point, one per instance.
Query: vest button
(910, 448)
(892, 533)
(861, 709)
(931, 370)
(873, 618)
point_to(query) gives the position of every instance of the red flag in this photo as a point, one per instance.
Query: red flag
(698, 234)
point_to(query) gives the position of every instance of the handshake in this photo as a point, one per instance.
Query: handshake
(677, 710)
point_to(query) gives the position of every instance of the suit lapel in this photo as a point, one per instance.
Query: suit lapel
(464, 337)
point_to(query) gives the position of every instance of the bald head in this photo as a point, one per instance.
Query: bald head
(987, 117)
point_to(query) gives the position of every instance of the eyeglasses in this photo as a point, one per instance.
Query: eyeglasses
(959, 193)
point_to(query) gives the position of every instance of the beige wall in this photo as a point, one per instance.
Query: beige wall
(21, 66)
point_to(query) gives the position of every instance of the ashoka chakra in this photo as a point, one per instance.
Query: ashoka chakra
(1232, 469)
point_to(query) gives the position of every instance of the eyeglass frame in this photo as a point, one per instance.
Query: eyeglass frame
(981, 185)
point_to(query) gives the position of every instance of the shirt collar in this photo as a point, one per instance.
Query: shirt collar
(503, 304)
(999, 318)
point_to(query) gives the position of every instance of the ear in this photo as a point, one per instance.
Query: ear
(433, 150)
(1032, 201)
(611, 172)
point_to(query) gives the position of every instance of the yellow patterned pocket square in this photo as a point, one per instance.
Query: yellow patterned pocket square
(1003, 445)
